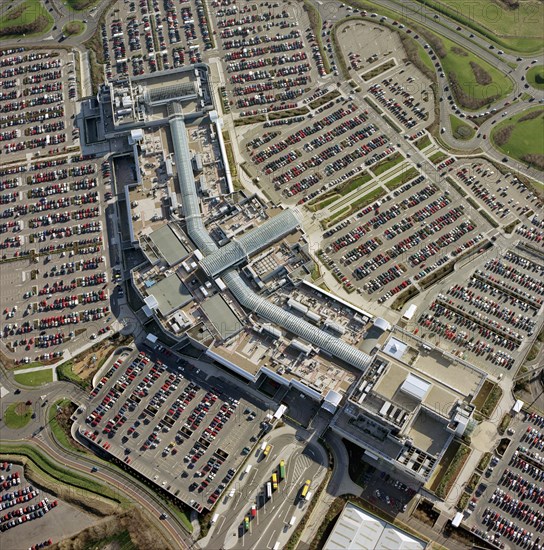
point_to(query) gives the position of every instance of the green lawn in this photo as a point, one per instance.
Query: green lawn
(522, 140)
(424, 142)
(17, 415)
(519, 29)
(469, 93)
(80, 5)
(535, 77)
(29, 17)
(36, 378)
(65, 372)
(460, 129)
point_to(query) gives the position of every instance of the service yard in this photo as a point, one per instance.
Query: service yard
(187, 437)
(57, 286)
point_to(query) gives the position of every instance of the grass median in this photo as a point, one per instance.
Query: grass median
(60, 474)
(460, 129)
(35, 378)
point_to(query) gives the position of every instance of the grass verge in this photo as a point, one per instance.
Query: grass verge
(484, 461)
(407, 174)
(58, 473)
(36, 378)
(27, 18)
(386, 164)
(316, 23)
(452, 471)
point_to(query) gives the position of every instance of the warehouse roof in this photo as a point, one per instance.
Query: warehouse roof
(251, 242)
(358, 530)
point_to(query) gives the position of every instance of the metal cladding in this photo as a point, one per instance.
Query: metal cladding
(249, 243)
(273, 229)
(189, 198)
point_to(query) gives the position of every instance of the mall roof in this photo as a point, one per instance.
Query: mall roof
(189, 198)
(279, 316)
(251, 242)
(221, 316)
(170, 294)
(168, 244)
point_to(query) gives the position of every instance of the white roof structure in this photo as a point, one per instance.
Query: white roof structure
(518, 405)
(332, 400)
(382, 324)
(409, 313)
(356, 529)
(395, 348)
(415, 387)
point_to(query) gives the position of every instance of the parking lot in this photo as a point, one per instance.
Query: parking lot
(503, 197)
(509, 506)
(188, 437)
(491, 317)
(270, 55)
(23, 507)
(144, 37)
(394, 242)
(339, 141)
(58, 286)
(37, 101)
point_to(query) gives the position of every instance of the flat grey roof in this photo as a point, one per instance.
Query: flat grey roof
(221, 316)
(170, 293)
(169, 245)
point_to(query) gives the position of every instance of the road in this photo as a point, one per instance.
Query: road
(149, 503)
(480, 47)
(303, 461)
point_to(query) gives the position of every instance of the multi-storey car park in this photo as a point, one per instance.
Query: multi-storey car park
(275, 221)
